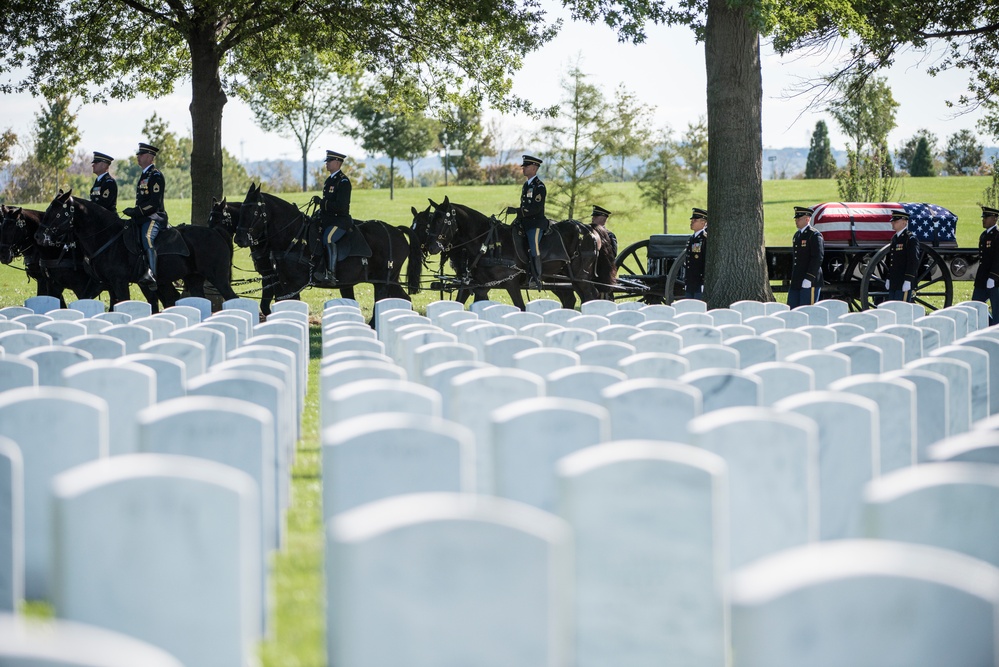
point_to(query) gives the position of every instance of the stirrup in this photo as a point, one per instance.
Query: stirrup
(148, 280)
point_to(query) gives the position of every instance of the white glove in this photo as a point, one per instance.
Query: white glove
(990, 284)
(906, 286)
(887, 284)
(806, 283)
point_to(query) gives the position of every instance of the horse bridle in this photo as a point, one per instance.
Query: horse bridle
(20, 223)
(448, 227)
(259, 216)
(56, 232)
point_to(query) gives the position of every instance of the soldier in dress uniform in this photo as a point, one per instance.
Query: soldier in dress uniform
(903, 259)
(334, 211)
(697, 249)
(105, 190)
(532, 214)
(806, 274)
(987, 276)
(149, 210)
(599, 219)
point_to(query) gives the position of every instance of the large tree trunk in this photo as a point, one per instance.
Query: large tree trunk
(736, 267)
(207, 102)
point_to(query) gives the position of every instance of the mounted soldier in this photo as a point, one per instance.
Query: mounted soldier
(531, 214)
(105, 190)
(149, 210)
(334, 212)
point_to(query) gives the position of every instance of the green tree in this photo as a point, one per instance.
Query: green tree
(462, 130)
(963, 155)
(302, 99)
(820, 163)
(907, 151)
(56, 137)
(157, 132)
(627, 131)
(664, 181)
(922, 159)
(461, 48)
(693, 148)
(867, 177)
(385, 128)
(7, 142)
(574, 149)
(865, 110)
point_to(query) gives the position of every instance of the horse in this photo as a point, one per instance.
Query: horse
(571, 251)
(224, 217)
(460, 259)
(372, 253)
(54, 269)
(114, 254)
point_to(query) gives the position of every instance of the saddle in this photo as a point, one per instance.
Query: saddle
(551, 246)
(167, 242)
(353, 244)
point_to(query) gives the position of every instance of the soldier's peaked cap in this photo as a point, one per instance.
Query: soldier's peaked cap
(102, 157)
(599, 210)
(146, 148)
(530, 159)
(988, 210)
(333, 155)
(897, 213)
(802, 210)
(699, 213)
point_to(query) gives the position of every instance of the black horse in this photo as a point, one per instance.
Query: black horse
(114, 252)
(496, 253)
(373, 252)
(54, 269)
(473, 280)
(224, 217)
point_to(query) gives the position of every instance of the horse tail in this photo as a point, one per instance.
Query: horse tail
(606, 269)
(414, 265)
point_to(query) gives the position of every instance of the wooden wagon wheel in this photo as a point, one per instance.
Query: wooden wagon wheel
(675, 283)
(934, 286)
(633, 269)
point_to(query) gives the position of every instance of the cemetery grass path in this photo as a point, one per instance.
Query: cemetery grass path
(298, 609)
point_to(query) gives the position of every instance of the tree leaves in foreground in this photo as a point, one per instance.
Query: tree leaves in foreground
(458, 50)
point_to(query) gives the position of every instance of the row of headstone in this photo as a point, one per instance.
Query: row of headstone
(650, 519)
(142, 491)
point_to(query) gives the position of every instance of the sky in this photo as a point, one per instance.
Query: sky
(666, 73)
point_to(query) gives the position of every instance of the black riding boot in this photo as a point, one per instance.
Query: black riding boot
(149, 280)
(536, 272)
(329, 275)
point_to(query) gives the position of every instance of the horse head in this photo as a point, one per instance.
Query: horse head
(421, 226)
(222, 216)
(14, 233)
(57, 222)
(442, 228)
(252, 225)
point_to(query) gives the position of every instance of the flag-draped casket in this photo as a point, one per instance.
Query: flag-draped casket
(869, 224)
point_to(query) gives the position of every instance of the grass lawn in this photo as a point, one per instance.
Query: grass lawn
(297, 580)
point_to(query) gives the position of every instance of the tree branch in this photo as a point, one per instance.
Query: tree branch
(960, 33)
(246, 28)
(143, 9)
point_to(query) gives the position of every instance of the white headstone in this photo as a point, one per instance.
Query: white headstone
(648, 522)
(892, 349)
(827, 366)
(725, 388)
(650, 409)
(134, 308)
(55, 428)
(865, 602)
(52, 360)
(958, 374)
(782, 379)
(530, 436)
(773, 466)
(490, 578)
(171, 374)
(126, 387)
(848, 454)
(896, 399)
(125, 527)
(11, 527)
(978, 360)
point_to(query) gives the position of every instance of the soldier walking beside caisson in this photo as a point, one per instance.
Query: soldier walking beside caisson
(987, 276)
(903, 258)
(694, 258)
(808, 251)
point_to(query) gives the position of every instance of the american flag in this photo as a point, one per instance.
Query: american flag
(869, 224)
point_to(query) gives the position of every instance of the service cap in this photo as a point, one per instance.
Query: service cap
(530, 159)
(102, 157)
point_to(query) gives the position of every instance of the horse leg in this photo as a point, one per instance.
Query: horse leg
(151, 298)
(516, 297)
(195, 285)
